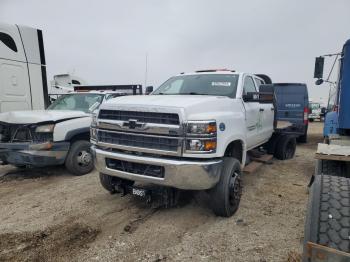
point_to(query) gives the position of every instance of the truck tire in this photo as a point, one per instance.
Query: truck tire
(331, 168)
(79, 160)
(285, 147)
(328, 214)
(109, 182)
(226, 195)
(303, 138)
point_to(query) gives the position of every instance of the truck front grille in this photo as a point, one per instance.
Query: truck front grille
(143, 117)
(135, 168)
(141, 141)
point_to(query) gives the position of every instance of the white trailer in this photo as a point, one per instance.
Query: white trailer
(23, 83)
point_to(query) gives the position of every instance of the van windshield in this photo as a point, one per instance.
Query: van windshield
(78, 102)
(201, 84)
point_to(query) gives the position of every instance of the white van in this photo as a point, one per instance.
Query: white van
(23, 84)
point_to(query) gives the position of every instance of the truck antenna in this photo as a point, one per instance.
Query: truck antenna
(146, 70)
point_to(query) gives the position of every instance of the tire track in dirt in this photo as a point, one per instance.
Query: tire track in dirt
(59, 242)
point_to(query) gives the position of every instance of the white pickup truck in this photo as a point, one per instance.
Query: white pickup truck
(192, 133)
(58, 135)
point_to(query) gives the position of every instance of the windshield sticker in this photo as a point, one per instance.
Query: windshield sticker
(226, 84)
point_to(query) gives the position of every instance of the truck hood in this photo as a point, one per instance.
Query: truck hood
(37, 116)
(190, 107)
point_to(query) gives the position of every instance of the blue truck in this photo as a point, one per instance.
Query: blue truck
(327, 225)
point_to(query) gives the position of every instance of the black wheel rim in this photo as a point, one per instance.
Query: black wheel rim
(235, 190)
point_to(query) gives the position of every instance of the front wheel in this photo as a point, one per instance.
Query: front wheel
(79, 160)
(226, 195)
(110, 183)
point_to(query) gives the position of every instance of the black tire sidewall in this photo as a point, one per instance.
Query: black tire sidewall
(107, 183)
(312, 215)
(303, 138)
(281, 147)
(71, 163)
(220, 193)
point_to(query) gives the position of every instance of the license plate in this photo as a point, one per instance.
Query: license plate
(139, 192)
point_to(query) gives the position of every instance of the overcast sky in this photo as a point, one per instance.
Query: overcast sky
(105, 42)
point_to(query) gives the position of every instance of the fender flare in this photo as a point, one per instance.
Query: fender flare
(70, 134)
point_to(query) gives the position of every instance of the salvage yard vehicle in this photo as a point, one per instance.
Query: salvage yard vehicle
(58, 135)
(22, 69)
(192, 133)
(327, 226)
(315, 111)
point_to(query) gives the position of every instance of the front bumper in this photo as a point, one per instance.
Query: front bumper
(38, 155)
(178, 173)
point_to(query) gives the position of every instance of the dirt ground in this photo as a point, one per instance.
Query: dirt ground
(49, 215)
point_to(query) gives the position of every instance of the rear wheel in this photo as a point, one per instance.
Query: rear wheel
(226, 195)
(79, 159)
(285, 147)
(303, 138)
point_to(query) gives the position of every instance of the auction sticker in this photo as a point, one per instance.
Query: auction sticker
(220, 83)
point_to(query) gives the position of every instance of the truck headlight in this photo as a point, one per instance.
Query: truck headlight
(93, 133)
(201, 145)
(201, 128)
(201, 137)
(45, 128)
(94, 120)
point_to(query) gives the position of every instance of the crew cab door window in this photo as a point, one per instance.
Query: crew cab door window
(258, 82)
(248, 85)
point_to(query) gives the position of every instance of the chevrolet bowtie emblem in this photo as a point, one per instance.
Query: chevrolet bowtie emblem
(132, 124)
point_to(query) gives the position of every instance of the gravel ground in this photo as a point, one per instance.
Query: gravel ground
(49, 215)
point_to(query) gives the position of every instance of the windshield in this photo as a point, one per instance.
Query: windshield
(78, 102)
(201, 84)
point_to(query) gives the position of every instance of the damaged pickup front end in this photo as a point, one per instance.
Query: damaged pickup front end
(31, 144)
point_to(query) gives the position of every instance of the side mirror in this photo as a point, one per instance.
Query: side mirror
(319, 64)
(149, 89)
(319, 82)
(259, 97)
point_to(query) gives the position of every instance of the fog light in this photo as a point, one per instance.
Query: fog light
(195, 145)
(201, 145)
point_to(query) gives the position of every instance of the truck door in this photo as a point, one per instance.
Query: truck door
(14, 80)
(253, 114)
(267, 117)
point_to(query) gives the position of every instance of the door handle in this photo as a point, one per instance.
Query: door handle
(272, 109)
(261, 109)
